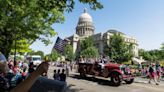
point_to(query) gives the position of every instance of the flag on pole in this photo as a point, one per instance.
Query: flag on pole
(59, 45)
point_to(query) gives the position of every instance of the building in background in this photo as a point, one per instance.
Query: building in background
(85, 28)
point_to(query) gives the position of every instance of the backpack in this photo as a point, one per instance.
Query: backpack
(151, 69)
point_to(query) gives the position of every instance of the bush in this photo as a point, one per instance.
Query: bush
(127, 62)
(162, 63)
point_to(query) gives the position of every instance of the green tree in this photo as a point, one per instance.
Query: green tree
(22, 47)
(145, 54)
(54, 55)
(68, 52)
(33, 19)
(40, 53)
(162, 51)
(153, 55)
(118, 49)
(90, 52)
(87, 48)
(87, 42)
(162, 46)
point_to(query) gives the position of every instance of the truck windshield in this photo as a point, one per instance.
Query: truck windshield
(36, 58)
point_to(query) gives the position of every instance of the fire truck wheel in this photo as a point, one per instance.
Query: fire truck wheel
(115, 79)
(129, 81)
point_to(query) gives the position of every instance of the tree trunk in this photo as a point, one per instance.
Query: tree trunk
(5, 50)
(5, 46)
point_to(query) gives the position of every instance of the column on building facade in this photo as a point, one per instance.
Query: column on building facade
(101, 47)
(87, 31)
(79, 31)
(74, 46)
(83, 31)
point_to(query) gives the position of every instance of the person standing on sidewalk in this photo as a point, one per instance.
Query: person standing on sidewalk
(71, 66)
(58, 75)
(54, 76)
(67, 69)
(152, 73)
(63, 76)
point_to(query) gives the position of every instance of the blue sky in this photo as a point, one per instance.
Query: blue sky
(143, 19)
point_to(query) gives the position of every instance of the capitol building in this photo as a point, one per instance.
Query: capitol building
(85, 28)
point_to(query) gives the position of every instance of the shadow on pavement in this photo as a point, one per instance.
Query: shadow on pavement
(71, 89)
(141, 82)
(93, 79)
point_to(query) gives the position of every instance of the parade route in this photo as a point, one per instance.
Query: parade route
(81, 85)
(76, 84)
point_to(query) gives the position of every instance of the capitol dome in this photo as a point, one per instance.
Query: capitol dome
(85, 25)
(85, 17)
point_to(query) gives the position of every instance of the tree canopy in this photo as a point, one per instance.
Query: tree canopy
(87, 48)
(118, 50)
(22, 47)
(33, 19)
(90, 52)
(162, 46)
(152, 55)
(86, 43)
(41, 53)
(68, 52)
(54, 55)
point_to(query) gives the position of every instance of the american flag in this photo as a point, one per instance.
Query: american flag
(59, 45)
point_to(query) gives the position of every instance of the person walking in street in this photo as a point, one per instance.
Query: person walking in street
(152, 73)
(159, 71)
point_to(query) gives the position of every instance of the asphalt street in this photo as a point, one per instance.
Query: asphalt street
(75, 84)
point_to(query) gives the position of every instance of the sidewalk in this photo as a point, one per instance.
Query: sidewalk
(145, 81)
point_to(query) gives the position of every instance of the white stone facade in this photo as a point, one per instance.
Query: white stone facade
(85, 28)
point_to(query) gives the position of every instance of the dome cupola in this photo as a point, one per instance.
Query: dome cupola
(85, 17)
(85, 25)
